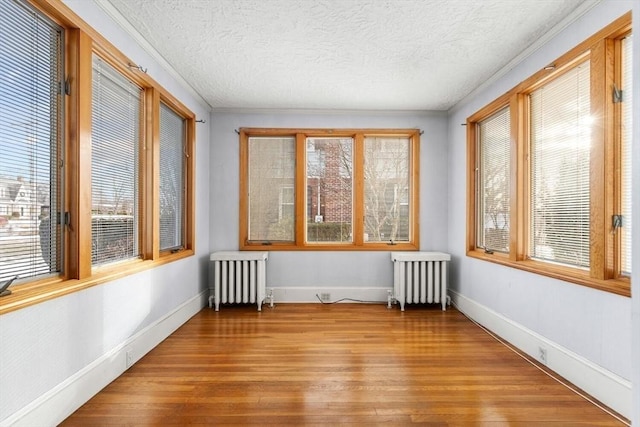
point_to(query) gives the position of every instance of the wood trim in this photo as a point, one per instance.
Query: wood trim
(518, 235)
(359, 186)
(472, 188)
(414, 188)
(78, 168)
(319, 132)
(300, 188)
(334, 247)
(243, 211)
(190, 182)
(150, 178)
(603, 200)
(598, 166)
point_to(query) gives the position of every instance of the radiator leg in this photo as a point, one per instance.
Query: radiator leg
(211, 301)
(270, 298)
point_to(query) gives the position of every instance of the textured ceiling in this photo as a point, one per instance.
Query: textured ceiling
(340, 54)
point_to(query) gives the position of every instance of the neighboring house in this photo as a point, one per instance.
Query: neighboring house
(15, 198)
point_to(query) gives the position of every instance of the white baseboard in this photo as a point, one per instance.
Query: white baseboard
(53, 407)
(306, 295)
(609, 388)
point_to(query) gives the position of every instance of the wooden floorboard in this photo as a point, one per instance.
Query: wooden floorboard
(340, 364)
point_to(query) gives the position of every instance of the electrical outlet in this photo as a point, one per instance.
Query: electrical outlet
(542, 355)
(129, 358)
(325, 297)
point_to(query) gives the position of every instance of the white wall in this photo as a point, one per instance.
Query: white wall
(321, 269)
(44, 347)
(593, 324)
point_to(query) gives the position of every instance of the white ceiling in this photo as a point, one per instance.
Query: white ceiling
(341, 54)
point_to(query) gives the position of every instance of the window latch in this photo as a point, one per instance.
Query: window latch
(616, 222)
(617, 94)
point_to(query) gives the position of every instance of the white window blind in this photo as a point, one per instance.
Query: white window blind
(560, 148)
(172, 176)
(494, 158)
(31, 70)
(271, 168)
(115, 135)
(386, 194)
(627, 87)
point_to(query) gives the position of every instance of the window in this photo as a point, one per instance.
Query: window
(330, 193)
(329, 189)
(560, 141)
(115, 140)
(549, 180)
(493, 169)
(271, 170)
(96, 159)
(173, 134)
(30, 142)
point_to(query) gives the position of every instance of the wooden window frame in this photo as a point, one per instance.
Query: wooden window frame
(358, 243)
(602, 49)
(81, 41)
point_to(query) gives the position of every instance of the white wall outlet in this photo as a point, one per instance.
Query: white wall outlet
(325, 297)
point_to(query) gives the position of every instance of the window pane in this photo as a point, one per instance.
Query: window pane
(329, 189)
(386, 194)
(494, 154)
(627, 87)
(115, 134)
(271, 188)
(30, 134)
(172, 139)
(560, 146)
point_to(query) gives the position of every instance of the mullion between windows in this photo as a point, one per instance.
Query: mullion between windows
(300, 190)
(359, 187)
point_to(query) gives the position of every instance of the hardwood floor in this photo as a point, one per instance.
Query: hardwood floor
(340, 364)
